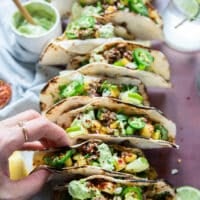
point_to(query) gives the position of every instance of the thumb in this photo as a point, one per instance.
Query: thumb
(30, 185)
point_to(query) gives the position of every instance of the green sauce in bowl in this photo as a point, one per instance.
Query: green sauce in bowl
(43, 16)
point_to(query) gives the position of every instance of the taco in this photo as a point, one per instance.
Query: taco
(132, 19)
(85, 33)
(122, 58)
(96, 157)
(128, 90)
(101, 187)
(80, 37)
(111, 120)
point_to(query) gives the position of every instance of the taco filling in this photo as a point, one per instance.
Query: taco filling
(124, 92)
(101, 189)
(105, 121)
(107, 157)
(119, 55)
(87, 27)
(123, 55)
(106, 7)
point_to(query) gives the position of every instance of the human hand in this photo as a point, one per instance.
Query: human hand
(41, 134)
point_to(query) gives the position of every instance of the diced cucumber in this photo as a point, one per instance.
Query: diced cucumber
(139, 165)
(75, 131)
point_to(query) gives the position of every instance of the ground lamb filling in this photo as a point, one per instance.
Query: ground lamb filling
(105, 121)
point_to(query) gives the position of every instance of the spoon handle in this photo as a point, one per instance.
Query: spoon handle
(24, 12)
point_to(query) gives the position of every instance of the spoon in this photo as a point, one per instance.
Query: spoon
(24, 12)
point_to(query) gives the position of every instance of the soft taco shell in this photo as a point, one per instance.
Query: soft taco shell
(159, 75)
(158, 187)
(159, 66)
(141, 27)
(59, 51)
(161, 185)
(131, 25)
(148, 78)
(88, 170)
(50, 92)
(58, 115)
(70, 104)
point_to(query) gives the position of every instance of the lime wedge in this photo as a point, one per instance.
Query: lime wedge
(187, 193)
(189, 8)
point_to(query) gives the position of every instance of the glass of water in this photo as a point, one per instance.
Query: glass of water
(182, 25)
(197, 74)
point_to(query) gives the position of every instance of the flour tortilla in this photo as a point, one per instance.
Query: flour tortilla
(160, 65)
(148, 78)
(152, 187)
(141, 27)
(87, 170)
(63, 116)
(50, 92)
(59, 51)
(130, 25)
(127, 25)
(159, 76)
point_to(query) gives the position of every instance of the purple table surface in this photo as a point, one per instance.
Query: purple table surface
(182, 105)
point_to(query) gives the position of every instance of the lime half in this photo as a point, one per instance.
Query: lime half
(190, 8)
(187, 193)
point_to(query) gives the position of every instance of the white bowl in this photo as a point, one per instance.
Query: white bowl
(35, 44)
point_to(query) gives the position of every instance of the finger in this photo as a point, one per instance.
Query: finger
(25, 188)
(33, 183)
(36, 129)
(42, 128)
(43, 144)
(24, 116)
(33, 146)
(48, 143)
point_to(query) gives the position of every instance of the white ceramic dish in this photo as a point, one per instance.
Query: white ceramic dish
(35, 44)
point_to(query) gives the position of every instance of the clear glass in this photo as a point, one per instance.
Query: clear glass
(184, 37)
(197, 74)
